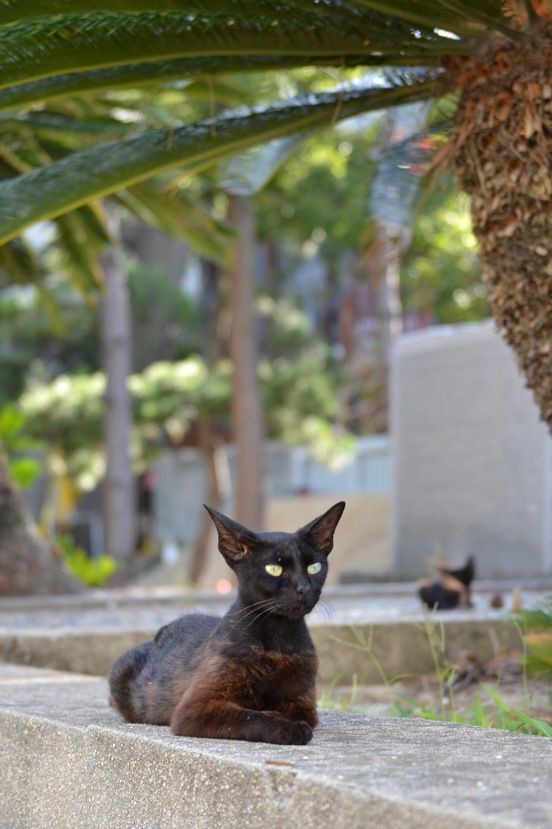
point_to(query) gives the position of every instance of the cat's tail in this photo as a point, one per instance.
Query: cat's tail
(121, 680)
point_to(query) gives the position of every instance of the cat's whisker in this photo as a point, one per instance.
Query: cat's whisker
(264, 612)
(244, 612)
(327, 608)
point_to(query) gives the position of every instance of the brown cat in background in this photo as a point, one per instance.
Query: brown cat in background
(249, 675)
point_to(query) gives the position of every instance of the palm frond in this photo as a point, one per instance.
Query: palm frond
(427, 13)
(465, 18)
(179, 215)
(155, 73)
(82, 264)
(12, 11)
(42, 47)
(476, 12)
(18, 262)
(398, 175)
(106, 168)
(247, 174)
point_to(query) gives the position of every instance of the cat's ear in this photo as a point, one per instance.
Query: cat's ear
(320, 532)
(235, 541)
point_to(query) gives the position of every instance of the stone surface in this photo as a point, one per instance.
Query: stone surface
(357, 631)
(69, 761)
(472, 462)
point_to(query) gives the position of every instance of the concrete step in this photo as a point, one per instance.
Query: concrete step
(90, 642)
(68, 761)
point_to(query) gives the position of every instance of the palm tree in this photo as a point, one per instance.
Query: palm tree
(491, 57)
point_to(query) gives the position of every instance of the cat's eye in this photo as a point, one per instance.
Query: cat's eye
(315, 568)
(274, 569)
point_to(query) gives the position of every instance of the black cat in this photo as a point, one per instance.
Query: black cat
(250, 675)
(453, 589)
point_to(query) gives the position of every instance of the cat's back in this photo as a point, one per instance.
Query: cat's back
(186, 634)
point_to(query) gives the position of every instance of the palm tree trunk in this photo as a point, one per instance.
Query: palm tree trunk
(391, 246)
(28, 564)
(213, 497)
(503, 152)
(247, 414)
(118, 486)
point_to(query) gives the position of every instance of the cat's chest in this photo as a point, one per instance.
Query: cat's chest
(274, 674)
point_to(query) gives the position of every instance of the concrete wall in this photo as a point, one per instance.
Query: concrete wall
(472, 462)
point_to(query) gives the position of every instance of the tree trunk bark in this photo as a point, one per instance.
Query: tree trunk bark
(118, 486)
(247, 414)
(391, 245)
(213, 497)
(503, 151)
(28, 564)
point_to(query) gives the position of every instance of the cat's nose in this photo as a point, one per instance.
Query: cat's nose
(302, 589)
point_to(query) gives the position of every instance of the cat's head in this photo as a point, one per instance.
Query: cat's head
(287, 568)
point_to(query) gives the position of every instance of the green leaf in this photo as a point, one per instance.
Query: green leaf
(11, 423)
(180, 216)
(429, 14)
(19, 263)
(82, 253)
(25, 471)
(474, 11)
(14, 10)
(534, 725)
(42, 47)
(93, 173)
(159, 72)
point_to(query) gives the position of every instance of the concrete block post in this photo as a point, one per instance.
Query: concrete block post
(472, 462)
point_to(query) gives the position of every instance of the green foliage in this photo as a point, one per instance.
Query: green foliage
(167, 324)
(536, 625)
(14, 443)
(318, 202)
(39, 338)
(66, 52)
(38, 342)
(441, 275)
(94, 572)
(66, 415)
(298, 391)
(109, 167)
(537, 618)
(492, 712)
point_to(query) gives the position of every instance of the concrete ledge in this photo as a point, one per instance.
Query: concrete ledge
(357, 630)
(363, 649)
(68, 761)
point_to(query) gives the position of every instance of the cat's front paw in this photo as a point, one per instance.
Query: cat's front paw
(293, 733)
(302, 733)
